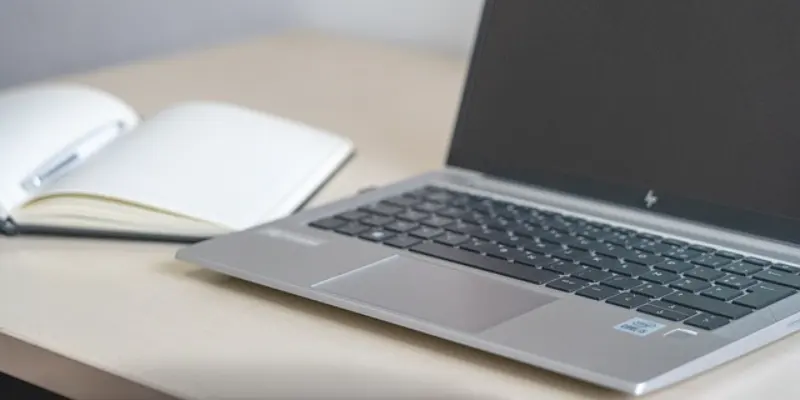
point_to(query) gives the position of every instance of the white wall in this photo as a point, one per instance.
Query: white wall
(444, 25)
(42, 38)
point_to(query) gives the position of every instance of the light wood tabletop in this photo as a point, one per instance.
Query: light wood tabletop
(131, 310)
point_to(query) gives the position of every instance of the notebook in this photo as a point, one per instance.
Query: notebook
(80, 161)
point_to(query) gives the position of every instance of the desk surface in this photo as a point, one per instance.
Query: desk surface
(130, 309)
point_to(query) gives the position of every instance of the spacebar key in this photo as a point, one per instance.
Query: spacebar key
(518, 271)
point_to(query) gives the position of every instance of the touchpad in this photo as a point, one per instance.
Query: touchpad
(444, 296)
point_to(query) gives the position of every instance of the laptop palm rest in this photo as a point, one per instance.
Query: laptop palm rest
(457, 299)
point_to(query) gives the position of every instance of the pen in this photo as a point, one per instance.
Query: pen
(77, 153)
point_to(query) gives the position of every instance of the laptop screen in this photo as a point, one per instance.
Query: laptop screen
(696, 101)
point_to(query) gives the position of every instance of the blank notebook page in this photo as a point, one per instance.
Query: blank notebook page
(226, 165)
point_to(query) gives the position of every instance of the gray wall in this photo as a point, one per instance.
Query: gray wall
(42, 38)
(442, 25)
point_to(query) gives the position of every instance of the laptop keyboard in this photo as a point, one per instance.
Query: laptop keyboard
(700, 286)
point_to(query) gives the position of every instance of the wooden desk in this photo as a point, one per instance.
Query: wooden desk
(130, 309)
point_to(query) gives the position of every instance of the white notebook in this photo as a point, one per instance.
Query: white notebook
(77, 160)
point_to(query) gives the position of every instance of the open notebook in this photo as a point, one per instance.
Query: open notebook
(77, 160)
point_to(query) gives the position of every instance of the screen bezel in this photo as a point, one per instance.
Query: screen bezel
(748, 222)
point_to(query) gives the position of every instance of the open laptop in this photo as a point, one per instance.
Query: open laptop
(620, 204)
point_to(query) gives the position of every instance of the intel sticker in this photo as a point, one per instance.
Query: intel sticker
(639, 326)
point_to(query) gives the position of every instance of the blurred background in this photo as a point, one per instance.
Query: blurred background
(44, 38)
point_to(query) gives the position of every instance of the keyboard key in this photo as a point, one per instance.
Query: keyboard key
(488, 248)
(491, 234)
(383, 209)
(722, 293)
(570, 254)
(543, 248)
(377, 235)
(709, 305)
(674, 266)
(474, 217)
(742, 268)
(518, 271)
(500, 224)
(377, 220)
(436, 221)
(622, 283)
(451, 239)
(591, 232)
(736, 281)
(764, 296)
(628, 300)
(328, 223)
(549, 236)
(460, 200)
(476, 245)
(638, 257)
(770, 287)
(652, 290)
(649, 236)
(711, 260)
(402, 242)
(568, 284)
(353, 215)
(578, 243)
(429, 207)
(701, 248)
(786, 268)
(528, 258)
(412, 215)
(675, 242)
(757, 261)
(690, 285)
(402, 226)
(674, 307)
(596, 261)
(563, 267)
(512, 241)
(597, 292)
(619, 238)
(464, 227)
(655, 247)
(729, 254)
(594, 275)
(450, 212)
(629, 269)
(682, 254)
(427, 232)
(659, 312)
(704, 273)
(779, 277)
(707, 322)
(352, 228)
(661, 277)
(501, 252)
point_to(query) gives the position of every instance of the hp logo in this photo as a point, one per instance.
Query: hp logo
(650, 199)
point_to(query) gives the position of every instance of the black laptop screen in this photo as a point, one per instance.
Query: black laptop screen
(697, 100)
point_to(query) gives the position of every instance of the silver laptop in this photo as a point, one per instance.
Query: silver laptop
(620, 203)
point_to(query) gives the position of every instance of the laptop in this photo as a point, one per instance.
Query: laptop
(620, 202)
